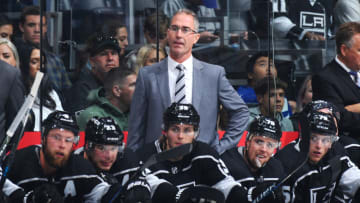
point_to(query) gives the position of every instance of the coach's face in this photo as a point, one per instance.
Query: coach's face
(181, 43)
(351, 55)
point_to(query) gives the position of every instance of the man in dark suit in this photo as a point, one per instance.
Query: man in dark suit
(339, 81)
(11, 95)
(183, 79)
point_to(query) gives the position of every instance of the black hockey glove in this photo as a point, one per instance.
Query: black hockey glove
(274, 196)
(202, 194)
(137, 191)
(45, 193)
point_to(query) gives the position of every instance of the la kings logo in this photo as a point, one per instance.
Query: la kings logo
(313, 22)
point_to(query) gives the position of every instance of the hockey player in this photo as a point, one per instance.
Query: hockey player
(53, 163)
(351, 145)
(323, 171)
(201, 167)
(105, 149)
(253, 165)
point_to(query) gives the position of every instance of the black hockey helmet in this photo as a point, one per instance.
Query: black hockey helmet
(265, 126)
(103, 130)
(60, 120)
(322, 104)
(322, 123)
(181, 113)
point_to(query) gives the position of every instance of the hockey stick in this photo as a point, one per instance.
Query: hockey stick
(18, 125)
(172, 153)
(272, 188)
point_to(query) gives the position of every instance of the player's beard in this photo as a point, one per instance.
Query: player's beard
(53, 161)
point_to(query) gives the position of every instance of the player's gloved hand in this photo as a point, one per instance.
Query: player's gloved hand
(165, 192)
(273, 196)
(46, 193)
(137, 191)
(203, 194)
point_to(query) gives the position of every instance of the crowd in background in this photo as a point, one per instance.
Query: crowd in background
(109, 69)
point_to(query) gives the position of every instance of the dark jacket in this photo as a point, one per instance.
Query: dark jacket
(11, 95)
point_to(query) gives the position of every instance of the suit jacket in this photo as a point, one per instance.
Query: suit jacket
(210, 89)
(335, 85)
(11, 95)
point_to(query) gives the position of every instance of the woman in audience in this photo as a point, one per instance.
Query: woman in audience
(29, 66)
(147, 56)
(8, 52)
(6, 27)
(305, 94)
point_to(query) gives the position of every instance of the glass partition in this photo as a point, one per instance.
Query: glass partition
(239, 29)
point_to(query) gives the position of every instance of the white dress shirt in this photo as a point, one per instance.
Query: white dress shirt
(346, 68)
(173, 73)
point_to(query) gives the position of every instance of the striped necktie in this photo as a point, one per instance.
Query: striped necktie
(180, 85)
(355, 74)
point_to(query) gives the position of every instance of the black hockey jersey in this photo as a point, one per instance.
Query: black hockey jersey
(126, 164)
(334, 178)
(292, 17)
(201, 167)
(310, 15)
(77, 181)
(270, 174)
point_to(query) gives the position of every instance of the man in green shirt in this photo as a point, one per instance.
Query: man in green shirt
(112, 100)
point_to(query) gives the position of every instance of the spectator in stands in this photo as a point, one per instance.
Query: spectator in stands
(9, 53)
(257, 68)
(11, 95)
(147, 56)
(113, 100)
(271, 103)
(346, 11)
(119, 32)
(6, 27)
(150, 34)
(202, 84)
(103, 52)
(207, 30)
(305, 94)
(294, 19)
(29, 66)
(30, 27)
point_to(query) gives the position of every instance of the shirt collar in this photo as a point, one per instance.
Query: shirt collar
(188, 63)
(342, 64)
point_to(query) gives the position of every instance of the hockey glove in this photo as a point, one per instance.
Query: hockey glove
(203, 194)
(137, 191)
(274, 196)
(45, 193)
